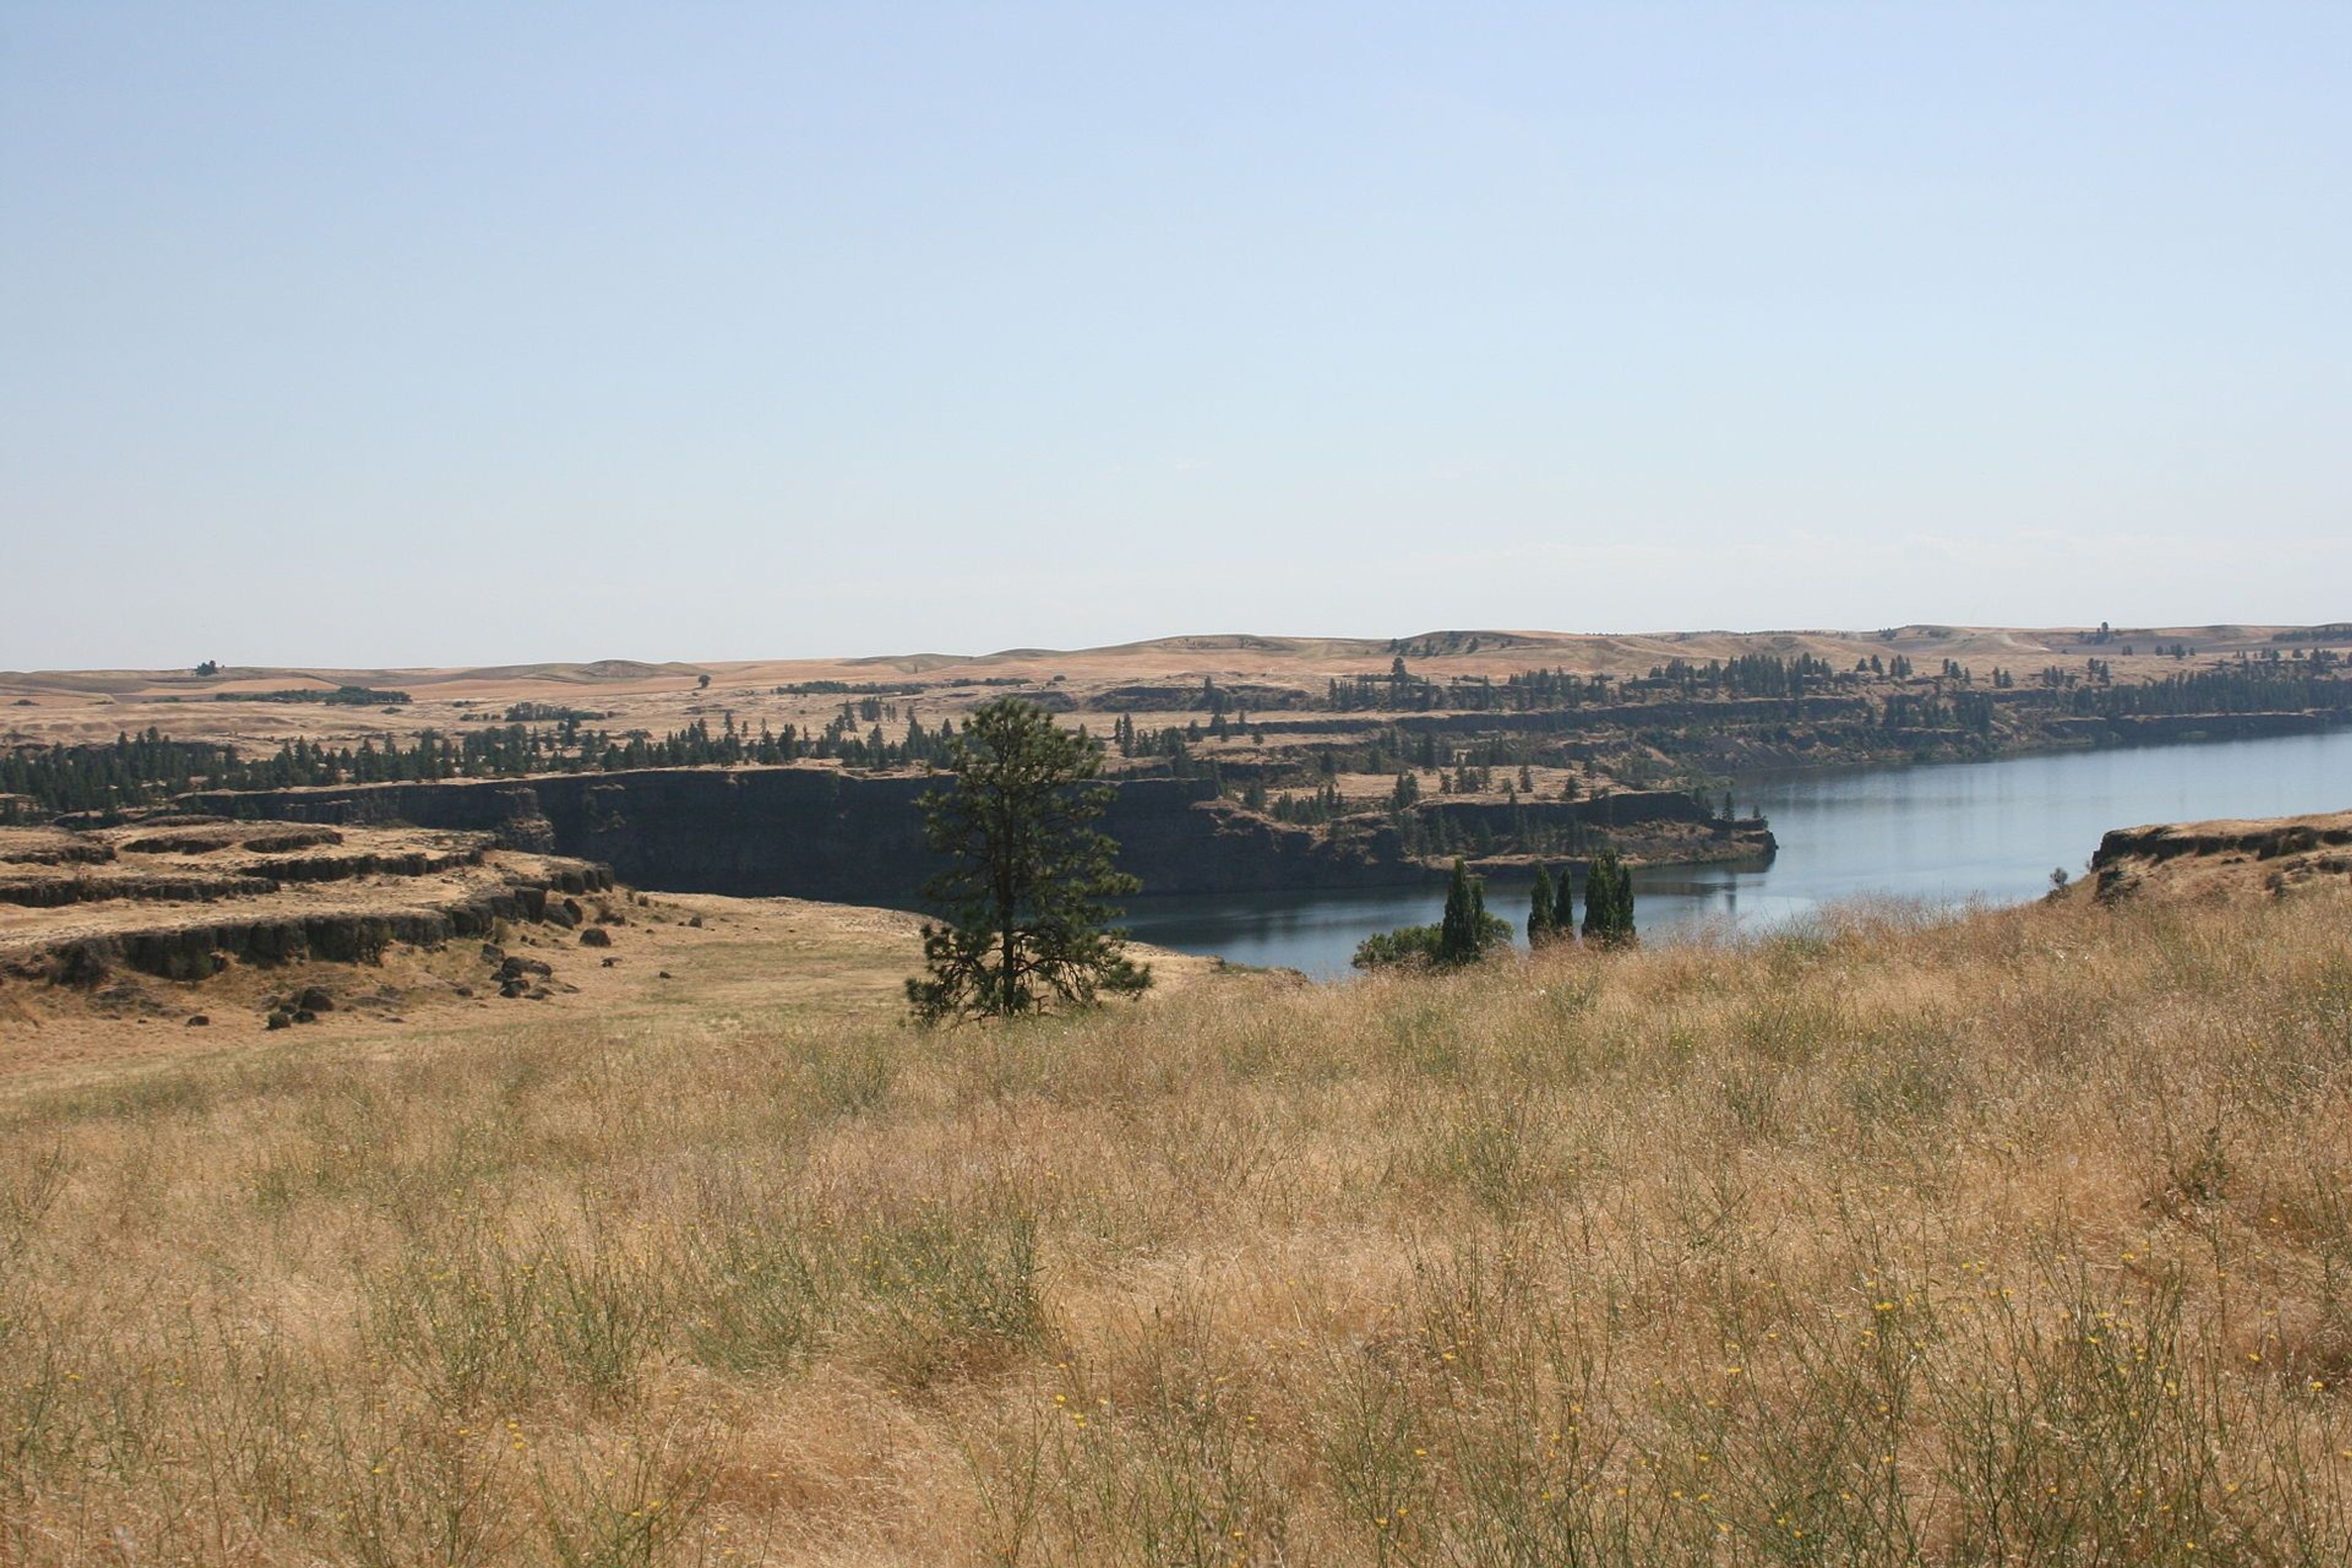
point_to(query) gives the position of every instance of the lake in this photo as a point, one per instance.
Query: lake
(1948, 834)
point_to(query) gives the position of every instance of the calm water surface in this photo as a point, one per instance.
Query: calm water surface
(1946, 834)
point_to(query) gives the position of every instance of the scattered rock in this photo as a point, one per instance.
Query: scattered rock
(197, 1021)
(465, 991)
(595, 936)
(493, 953)
(695, 923)
(279, 1020)
(665, 974)
(611, 961)
(512, 988)
(304, 1015)
(315, 999)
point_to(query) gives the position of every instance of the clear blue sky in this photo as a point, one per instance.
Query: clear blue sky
(426, 333)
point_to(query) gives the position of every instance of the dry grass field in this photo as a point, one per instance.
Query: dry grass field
(2017, 1238)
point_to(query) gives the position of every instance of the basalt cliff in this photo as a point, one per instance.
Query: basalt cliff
(822, 833)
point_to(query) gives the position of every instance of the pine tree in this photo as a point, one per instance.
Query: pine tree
(1563, 909)
(1540, 929)
(1027, 875)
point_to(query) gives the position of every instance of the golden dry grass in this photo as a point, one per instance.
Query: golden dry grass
(2018, 1238)
(82, 707)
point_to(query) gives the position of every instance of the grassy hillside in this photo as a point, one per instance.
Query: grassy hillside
(2020, 1238)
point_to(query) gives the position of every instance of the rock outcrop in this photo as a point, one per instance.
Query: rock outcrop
(2174, 860)
(182, 905)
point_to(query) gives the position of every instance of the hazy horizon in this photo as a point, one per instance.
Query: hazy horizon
(689, 660)
(436, 337)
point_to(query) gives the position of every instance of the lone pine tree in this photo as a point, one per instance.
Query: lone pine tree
(1028, 878)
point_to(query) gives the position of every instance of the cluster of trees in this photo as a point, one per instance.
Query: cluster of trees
(89, 778)
(553, 713)
(1546, 691)
(1608, 905)
(1307, 811)
(1467, 933)
(1754, 675)
(1608, 902)
(2320, 657)
(1401, 691)
(1969, 711)
(341, 696)
(2256, 686)
(849, 689)
(1426, 834)
(1175, 742)
(138, 770)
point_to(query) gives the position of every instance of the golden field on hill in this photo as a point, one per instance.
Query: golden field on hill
(2020, 1237)
(73, 707)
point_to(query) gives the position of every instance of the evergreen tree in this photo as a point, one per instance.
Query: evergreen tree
(1563, 907)
(1463, 934)
(1540, 929)
(1462, 930)
(1027, 875)
(1608, 902)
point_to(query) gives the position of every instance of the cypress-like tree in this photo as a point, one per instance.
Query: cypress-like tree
(1608, 902)
(1462, 930)
(1563, 909)
(1540, 928)
(1027, 874)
